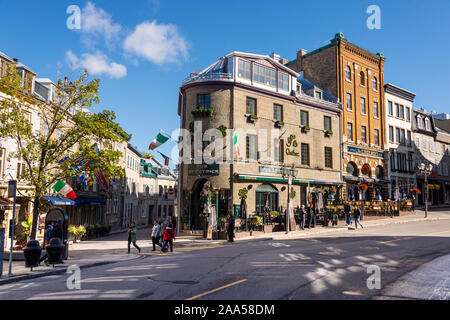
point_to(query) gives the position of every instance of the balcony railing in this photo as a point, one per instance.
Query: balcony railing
(208, 77)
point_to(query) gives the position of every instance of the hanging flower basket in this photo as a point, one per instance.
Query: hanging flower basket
(415, 191)
(306, 129)
(202, 112)
(363, 187)
(279, 123)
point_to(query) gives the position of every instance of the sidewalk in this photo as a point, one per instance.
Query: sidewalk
(416, 217)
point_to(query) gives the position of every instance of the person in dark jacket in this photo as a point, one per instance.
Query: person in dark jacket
(347, 213)
(310, 215)
(302, 217)
(230, 228)
(357, 214)
(132, 236)
(58, 231)
(169, 236)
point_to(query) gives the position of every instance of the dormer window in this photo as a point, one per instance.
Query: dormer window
(318, 94)
(283, 81)
(244, 69)
(427, 124)
(263, 75)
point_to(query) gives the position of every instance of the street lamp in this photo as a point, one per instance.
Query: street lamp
(289, 172)
(425, 170)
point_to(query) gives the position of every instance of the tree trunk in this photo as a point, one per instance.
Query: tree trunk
(35, 216)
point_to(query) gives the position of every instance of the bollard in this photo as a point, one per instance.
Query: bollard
(2, 249)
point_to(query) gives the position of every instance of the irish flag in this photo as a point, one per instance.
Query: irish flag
(236, 145)
(63, 188)
(159, 140)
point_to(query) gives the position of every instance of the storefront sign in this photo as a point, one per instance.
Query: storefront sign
(203, 169)
(365, 152)
(277, 170)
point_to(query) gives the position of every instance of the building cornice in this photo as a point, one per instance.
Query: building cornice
(399, 92)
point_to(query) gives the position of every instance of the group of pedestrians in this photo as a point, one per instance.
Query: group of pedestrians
(348, 212)
(162, 230)
(306, 214)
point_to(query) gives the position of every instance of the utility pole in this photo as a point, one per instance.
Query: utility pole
(12, 188)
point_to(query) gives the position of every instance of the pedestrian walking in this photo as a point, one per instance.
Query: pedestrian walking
(164, 224)
(302, 217)
(169, 236)
(132, 236)
(47, 236)
(347, 213)
(357, 214)
(174, 224)
(230, 227)
(156, 235)
(310, 215)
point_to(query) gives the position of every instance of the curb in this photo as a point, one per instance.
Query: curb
(58, 271)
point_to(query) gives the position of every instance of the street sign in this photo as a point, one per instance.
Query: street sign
(12, 186)
(171, 191)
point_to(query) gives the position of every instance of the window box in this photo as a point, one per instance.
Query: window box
(251, 118)
(202, 112)
(306, 129)
(328, 133)
(279, 123)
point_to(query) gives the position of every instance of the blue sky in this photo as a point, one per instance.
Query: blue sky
(141, 73)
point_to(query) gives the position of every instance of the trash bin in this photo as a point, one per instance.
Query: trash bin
(55, 250)
(32, 254)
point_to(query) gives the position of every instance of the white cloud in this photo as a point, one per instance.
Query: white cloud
(158, 43)
(96, 64)
(97, 22)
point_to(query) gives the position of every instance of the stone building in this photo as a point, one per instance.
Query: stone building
(356, 76)
(400, 149)
(270, 123)
(429, 150)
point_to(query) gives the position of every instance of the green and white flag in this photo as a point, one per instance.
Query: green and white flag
(159, 140)
(64, 189)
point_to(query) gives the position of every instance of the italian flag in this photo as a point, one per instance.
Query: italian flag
(63, 188)
(159, 140)
(236, 145)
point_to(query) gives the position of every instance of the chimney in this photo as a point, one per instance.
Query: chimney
(275, 56)
(283, 61)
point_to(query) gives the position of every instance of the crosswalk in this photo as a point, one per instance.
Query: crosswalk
(178, 250)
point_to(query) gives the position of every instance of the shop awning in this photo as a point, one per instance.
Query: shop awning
(81, 201)
(5, 204)
(285, 180)
(57, 201)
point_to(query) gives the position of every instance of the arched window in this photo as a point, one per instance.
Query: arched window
(366, 170)
(374, 83)
(362, 78)
(348, 73)
(266, 198)
(352, 169)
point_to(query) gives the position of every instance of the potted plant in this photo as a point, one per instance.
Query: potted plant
(279, 123)
(201, 112)
(26, 227)
(252, 118)
(306, 129)
(328, 133)
(255, 221)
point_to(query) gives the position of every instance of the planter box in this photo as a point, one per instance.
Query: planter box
(268, 228)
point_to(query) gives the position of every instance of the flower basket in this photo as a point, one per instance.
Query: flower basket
(363, 187)
(415, 191)
(306, 129)
(273, 214)
(279, 123)
(252, 118)
(200, 112)
(328, 133)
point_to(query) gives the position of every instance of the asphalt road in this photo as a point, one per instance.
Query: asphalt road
(331, 266)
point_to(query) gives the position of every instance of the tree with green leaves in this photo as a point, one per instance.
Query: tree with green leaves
(70, 134)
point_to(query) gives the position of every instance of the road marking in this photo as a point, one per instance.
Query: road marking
(217, 289)
(422, 235)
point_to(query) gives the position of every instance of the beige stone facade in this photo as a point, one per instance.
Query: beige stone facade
(261, 173)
